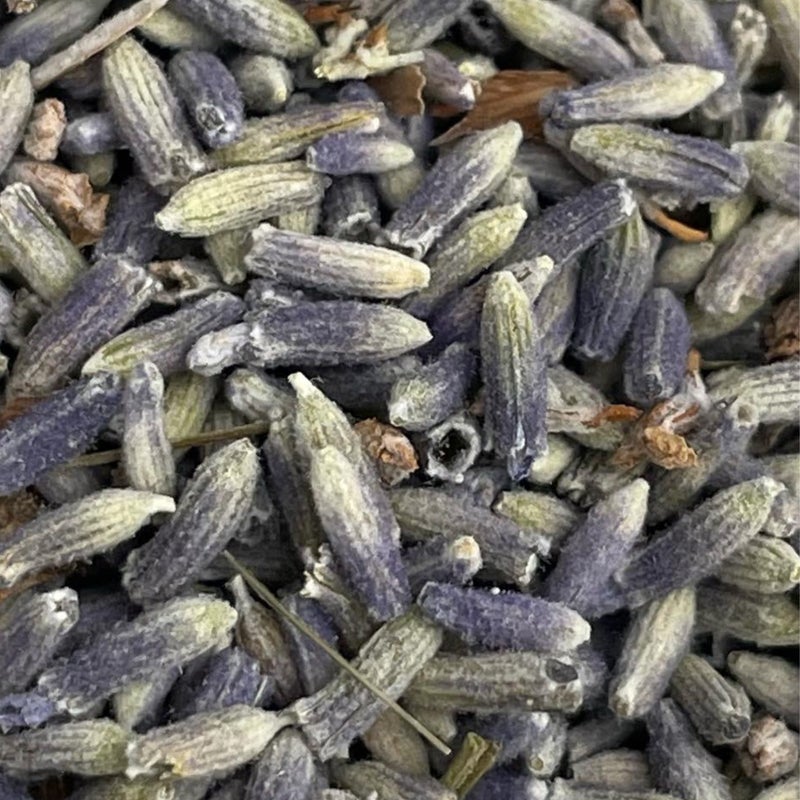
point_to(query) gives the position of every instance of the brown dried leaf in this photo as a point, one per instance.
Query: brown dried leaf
(614, 413)
(401, 90)
(679, 230)
(326, 13)
(782, 331)
(393, 454)
(377, 36)
(510, 95)
(45, 129)
(668, 450)
(68, 195)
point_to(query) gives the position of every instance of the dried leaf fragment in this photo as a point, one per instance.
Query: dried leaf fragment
(614, 413)
(326, 13)
(45, 129)
(66, 194)
(394, 456)
(401, 90)
(511, 94)
(782, 331)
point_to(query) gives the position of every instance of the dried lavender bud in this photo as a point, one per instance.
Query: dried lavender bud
(461, 180)
(166, 636)
(150, 119)
(770, 389)
(515, 732)
(765, 565)
(718, 708)
(264, 81)
(784, 24)
(314, 667)
(92, 134)
(514, 376)
(258, 396)
(239, 197)
(352, 152)
(445, 83)
(290, 486)
(613, 283)
(433, 392)
(283, 136)
(412, 24)
(46, 259)
(771, 750)
(209, 513)
(121, 788)
(139, 705)
(33, 625)
(678, 761)
(16, 97)
(166, 340)
(264, 26)
(146, 451)
(206, 744)
(681, 266)
(503, 783)
(491, 682)
(595, 551)
(541, 512)
(345, 709)
(209, 94)
(231, 677)
(615, 770)
(597, 734)
(455, 561)
(758, 258)
(55, 429)
(556, 309)
(503, 620)
(655, 643)
(774, 168)
(770, 681)
(365, 549)
(259, 633)
(99, 305)
(688, 33)
(302, 334)
(664, 91)
(167, 28)
(394, 743)
(350, 209)
(94, 747)
(373, 779)
(130, 230)
(285, 770)
(682, 169)
(658, 346)
(767, 620)
(424, 513)
(51, 27)
(694, 546)
(333, 266)
(568, 229)
(564, 37)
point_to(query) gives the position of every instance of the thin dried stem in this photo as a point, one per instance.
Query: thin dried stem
(207, 437)
(275, 604)
(94, 42)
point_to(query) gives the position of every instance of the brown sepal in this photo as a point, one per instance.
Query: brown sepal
(401, 90)
(512, 94)
(390, 450)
